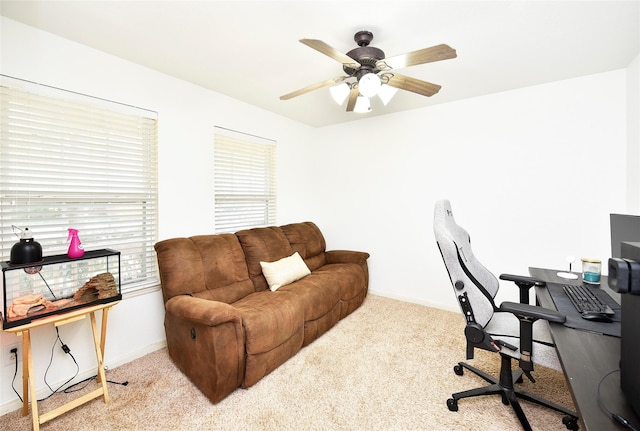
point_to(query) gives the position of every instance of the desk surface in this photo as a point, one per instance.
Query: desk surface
(586, 357)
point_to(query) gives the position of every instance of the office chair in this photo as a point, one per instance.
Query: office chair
(517, 331)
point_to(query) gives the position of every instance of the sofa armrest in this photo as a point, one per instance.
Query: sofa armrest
(346, 256)
(205, 339)
(202, 311)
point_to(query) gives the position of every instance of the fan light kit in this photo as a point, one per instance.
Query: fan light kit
(369, 85)
(373, 72)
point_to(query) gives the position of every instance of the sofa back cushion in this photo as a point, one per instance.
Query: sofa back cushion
(263, 244)
(206, 266)
(308, 241)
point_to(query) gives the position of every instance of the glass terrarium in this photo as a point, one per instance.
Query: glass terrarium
(59, 284)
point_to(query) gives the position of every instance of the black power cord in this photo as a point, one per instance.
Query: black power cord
(67, 390)
(86, 381)
(615, 416)
(66, 350)
(15, 373)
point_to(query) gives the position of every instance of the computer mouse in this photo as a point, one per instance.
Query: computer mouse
(596, 317)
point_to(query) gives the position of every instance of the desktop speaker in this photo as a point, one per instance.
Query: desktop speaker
(634, 279)
(624, 275)
(618, 275)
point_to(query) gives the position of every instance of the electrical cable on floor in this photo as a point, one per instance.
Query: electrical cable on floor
(615, 416)
(86, 382)
(67, 390)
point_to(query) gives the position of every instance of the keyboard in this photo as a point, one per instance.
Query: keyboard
(586, 301)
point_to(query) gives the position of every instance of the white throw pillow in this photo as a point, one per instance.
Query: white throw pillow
(284, 271)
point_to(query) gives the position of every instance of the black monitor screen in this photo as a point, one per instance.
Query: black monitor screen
(624, 227)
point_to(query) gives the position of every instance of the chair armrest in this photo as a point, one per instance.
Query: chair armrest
(202, 311)
(533, 312)
(523, 280)
(527, 314)
(524, 283)
(346, 256)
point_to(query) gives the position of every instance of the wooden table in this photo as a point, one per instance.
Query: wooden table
(28, 378)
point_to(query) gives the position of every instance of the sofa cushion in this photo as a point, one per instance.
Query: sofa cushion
(306, 239)
(348, 276)
(266, 244)
(284, 271)
(320, 292)
(180, 267)
(207, 266)
(269, 319)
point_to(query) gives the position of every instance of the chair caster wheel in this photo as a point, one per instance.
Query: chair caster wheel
(571, 422)
(458, 370)
(452, 404)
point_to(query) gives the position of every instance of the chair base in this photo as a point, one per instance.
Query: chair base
(510, 394)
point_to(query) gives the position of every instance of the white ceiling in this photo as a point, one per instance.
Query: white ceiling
(249, 50)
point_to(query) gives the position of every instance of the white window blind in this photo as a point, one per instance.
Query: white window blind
(245, 181)
(72, 161)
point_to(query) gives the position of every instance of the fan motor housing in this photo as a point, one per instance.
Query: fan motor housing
(367, 56)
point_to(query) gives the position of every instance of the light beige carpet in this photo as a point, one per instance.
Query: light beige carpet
(387, 366)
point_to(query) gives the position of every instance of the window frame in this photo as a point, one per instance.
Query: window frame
(108, 152)
(245, 181)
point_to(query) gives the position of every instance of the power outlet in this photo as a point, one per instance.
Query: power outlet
(10, 357)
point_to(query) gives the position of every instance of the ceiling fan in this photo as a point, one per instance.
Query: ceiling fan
(373, 72)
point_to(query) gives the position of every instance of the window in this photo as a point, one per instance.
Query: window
(244, 181)
(72, 161)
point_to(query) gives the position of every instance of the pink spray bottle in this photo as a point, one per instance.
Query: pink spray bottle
(75, 248)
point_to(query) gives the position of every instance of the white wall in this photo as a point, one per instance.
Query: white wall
(633, 136)
(187, 115)
(532, 174)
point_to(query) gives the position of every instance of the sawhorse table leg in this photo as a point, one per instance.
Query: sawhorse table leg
(28, 377)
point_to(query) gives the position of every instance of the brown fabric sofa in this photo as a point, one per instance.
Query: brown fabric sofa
(225, 328)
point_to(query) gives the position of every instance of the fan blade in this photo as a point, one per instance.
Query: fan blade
(353, 96)
(421, 56)
(322, 47)
(313, 87)
(414, 85)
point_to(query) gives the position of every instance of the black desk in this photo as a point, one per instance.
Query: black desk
(586, 357)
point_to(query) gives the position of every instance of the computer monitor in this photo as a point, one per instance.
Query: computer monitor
(630, 336)
(624, 227)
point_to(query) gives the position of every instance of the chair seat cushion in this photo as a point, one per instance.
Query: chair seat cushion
(506, 326)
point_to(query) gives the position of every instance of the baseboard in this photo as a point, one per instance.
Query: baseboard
(438, 305)
(16, 404)
(116, 362)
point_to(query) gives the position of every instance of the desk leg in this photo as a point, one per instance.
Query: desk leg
(99, 351)
(28, 358)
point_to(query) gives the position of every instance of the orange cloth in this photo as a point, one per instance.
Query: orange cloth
(22, 305)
